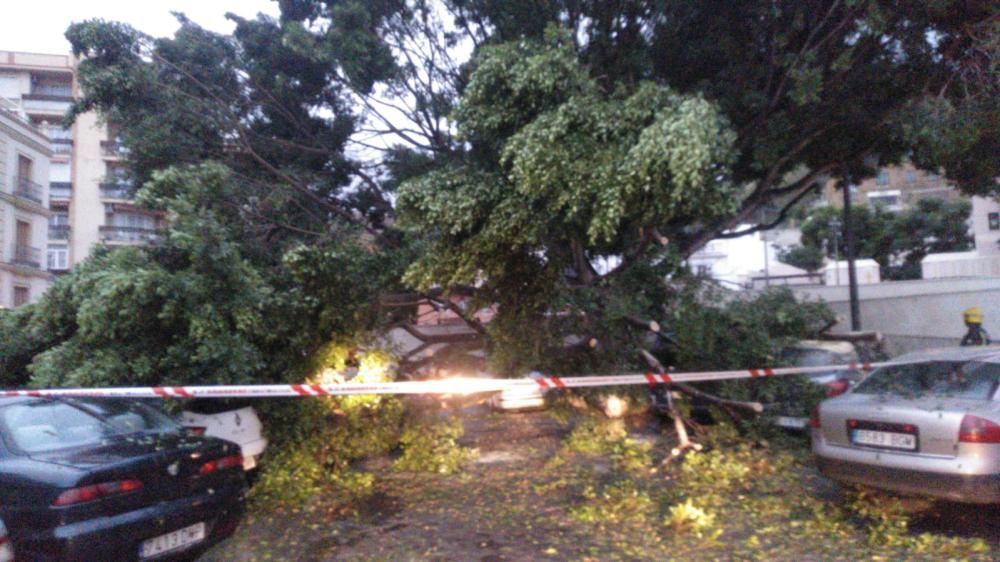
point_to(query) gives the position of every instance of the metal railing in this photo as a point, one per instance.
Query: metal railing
(14, 111)
(130, 234)
(61, 146)
(26, 255)
(795, 279)
(59, 232)
(116, 190)
(27, 189)
(113, 148)
(60, 190)
(50, 94)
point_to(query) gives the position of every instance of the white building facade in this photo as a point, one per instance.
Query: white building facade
(88, 194)
(24, 216)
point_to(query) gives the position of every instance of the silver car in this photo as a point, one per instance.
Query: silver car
(928, 425)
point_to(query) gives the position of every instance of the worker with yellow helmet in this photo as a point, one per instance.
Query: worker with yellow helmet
(976, 335)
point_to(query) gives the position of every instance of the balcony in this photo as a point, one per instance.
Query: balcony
(56, 106)
(27, 189)
(130, 234)
(27, 256)
(60, 190)
(51, 91)
(58, 232)
(114, 149)
(61, 147)
(116, 190)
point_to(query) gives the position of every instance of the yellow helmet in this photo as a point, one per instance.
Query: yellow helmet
(973, 315)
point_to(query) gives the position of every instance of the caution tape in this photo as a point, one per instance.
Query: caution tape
(438, 386)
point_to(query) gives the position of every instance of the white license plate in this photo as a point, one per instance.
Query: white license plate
(169, 542)
(887, 439)
(790, 422)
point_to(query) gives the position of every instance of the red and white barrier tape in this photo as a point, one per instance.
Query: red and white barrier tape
(439, 386)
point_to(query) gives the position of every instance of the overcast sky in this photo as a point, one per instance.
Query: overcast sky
(38, 25)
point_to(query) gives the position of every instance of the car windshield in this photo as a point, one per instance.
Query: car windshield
(814, 357)
(952, 379)
(48, 425)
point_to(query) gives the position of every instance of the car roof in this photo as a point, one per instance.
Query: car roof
(7, 400)
(972, 353)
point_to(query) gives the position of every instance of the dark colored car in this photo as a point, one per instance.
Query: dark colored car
(112, 479)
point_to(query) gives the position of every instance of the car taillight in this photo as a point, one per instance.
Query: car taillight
(814, 418)
(231, 461)
(197, 430)
(975, 429)
(6, 549)
(837, 387)
(95, 492)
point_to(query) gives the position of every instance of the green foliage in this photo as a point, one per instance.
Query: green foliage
(434, 448)
(562, 174)
(621, 502)
(888, 524)
(608, 438)
(816, 86)
(748, 332)
(314, 442)
(204, 306)
(897, 241)
(686, 517)
(809, 258)
(713, 333)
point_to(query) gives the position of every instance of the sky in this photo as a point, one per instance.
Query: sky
(38, 25)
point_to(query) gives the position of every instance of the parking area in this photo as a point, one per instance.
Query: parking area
(536, 493)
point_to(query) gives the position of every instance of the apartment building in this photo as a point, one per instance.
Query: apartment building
(24, 178)
(89, 195)
(894, 188)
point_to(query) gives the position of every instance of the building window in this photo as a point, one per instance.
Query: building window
(882, 178)
(994, 219)
(21, 295)
(888, 199)
(132, 220)
(58, 258)
(911, 176)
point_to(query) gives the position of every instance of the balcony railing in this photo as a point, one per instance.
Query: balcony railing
(130, 234)
(60, 190)
(116, 190)
(58, 232)
(62, 146)
(27, 189)
(53, 92)
(28, 256)
(113, 148)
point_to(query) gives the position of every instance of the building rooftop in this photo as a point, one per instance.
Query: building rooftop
(36, 61)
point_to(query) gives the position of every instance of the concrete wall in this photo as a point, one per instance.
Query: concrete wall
(915, 314)
(960, 264)
(987, 235)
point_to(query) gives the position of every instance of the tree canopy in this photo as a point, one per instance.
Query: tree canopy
(565, 168)
(898, 241)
